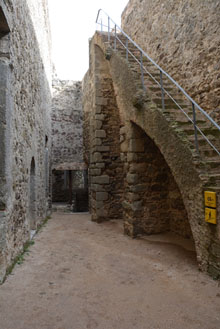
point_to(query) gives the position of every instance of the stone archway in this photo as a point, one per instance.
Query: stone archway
(32, 195)
(136, 106)
(153, 202)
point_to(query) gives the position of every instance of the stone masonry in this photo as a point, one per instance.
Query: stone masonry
(25, 102)
(162, 179)
(183, 37)
(67, 124)
(102, 134)
(67, 142)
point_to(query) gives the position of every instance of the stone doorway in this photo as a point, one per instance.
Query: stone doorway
(32, 196)
(153, 202)
(70, 190)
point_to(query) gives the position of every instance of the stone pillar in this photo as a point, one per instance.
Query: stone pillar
(105, 165)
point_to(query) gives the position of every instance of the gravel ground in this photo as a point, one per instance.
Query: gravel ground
(83, 275)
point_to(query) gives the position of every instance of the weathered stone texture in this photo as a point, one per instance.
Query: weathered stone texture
(153, 201)
(102, 139)
(67, 123)
(161, 181)
(25, 97)
(183, 37)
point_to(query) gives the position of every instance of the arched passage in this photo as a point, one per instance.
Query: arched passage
(153, 202)
(32, 196)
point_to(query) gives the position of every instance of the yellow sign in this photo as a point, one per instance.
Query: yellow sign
(210, 215)
(210, 199)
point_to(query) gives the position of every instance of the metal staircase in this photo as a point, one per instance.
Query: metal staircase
(183, 113)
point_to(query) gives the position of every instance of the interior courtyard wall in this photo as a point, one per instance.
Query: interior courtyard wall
(67, 123)
(67, 138)
(183, 37)
(186, 196)
(27, 108)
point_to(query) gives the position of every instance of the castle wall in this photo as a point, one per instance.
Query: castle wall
(67, 124)
(102, 140)
(25, 94)
(162, 188)
(67, 142)
(183, 37)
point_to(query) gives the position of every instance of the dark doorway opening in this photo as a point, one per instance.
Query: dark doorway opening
(32, 196)
(70, 188)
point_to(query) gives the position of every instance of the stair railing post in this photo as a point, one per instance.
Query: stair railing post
(142, 71)
(115, 37)
(126, 45)
(162, 90)
(108, 29)
(195, 128)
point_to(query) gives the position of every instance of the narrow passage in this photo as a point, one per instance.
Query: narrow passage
(80, 274)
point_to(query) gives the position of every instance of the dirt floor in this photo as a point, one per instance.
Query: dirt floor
(83, 275)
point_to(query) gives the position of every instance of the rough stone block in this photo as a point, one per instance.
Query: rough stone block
(98, 124)
(97, 188)
(95, 172)
(126, 205)
(96, 157)
(132, 178)
(123, 130)
(102, 148)
(98, 141)
(100, 133)
(123, 157)
(132, 157)
(137, 205)
(104, 179)
(102, 213)
(101, 101)
(101, 196)
(133, 196)
(100, 117)
(98, 204)
(100, 165)
(98, 109)
(124, 146)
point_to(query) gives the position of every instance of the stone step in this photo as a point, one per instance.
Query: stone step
(201, 140)
(169, 106)
(214, 165)
(172, 110)
(208, 152)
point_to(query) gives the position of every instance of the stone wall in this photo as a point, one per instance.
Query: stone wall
(67, 124)
(125, 166)
(102, 139)
(183, 37)
(67, 141)
(25, 94)
(162, 179)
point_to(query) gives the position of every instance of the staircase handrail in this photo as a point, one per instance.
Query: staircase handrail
(194, 104)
